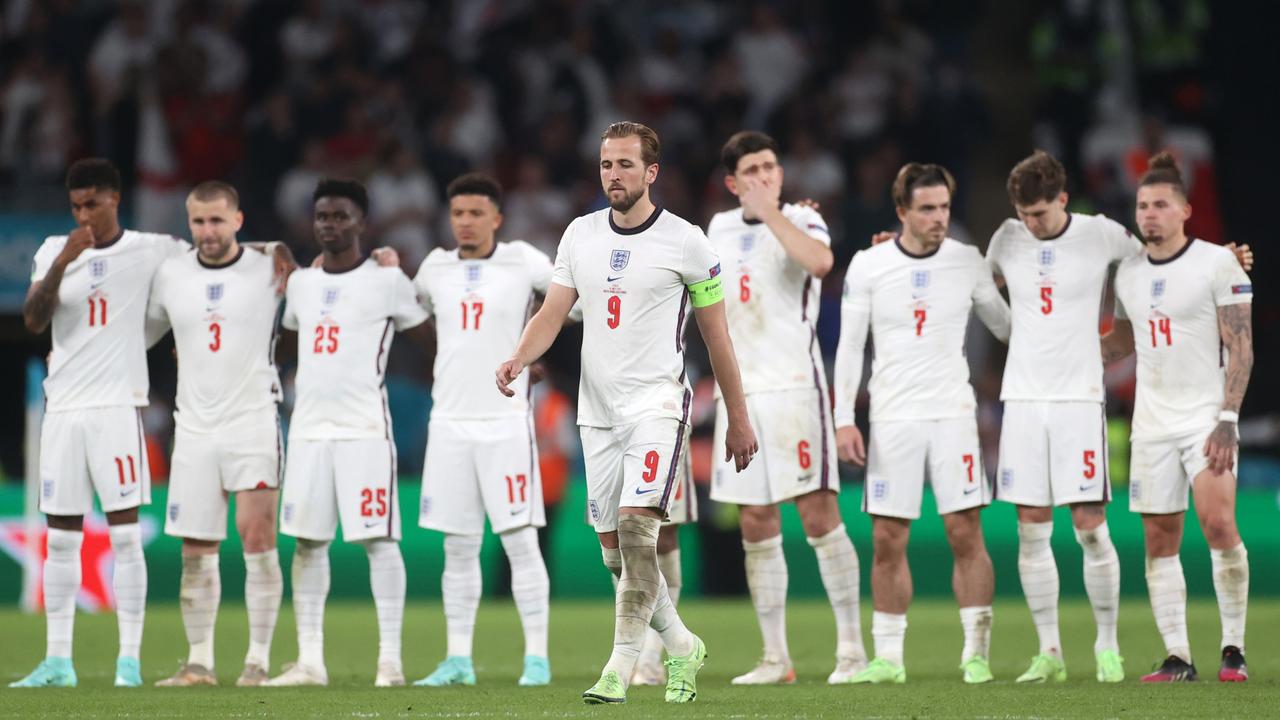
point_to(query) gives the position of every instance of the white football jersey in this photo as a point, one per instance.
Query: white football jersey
(918, 310)
(1055, 292)
(224, 329)
(345, 323)
(1173, 306)
(99, 355)
(770, 300)
(631, 283)
(480, 306)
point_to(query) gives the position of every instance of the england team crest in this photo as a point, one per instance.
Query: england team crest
(1047, 257)
(748, 241)
(330, 296)
(1157, 290)
(98, 268)
(213, 291)
(473, 273)
(619, 259)
(919, 279)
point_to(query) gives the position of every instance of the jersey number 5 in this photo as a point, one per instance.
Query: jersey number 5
(1046, 300)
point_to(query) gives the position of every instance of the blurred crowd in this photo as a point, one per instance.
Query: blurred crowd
(408, 94)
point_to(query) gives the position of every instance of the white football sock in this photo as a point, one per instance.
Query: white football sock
(263, 589)
(1102, 583)
(129, 581)
(530, 587)
(61, 583)
(199, 592)
(1039, 574)
(642, 599)
(461, 585)
(1168, 589)
(838, 565)
(889, 631)
(387, 581)
(1231, 583)
(310, 590)
(976, 621)
(669, 566)
(767, 581)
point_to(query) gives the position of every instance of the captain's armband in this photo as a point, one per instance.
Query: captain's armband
(706, 292)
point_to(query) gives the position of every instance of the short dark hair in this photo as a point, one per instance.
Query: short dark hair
(211, 190)
(1037, 177)
(650, 148)
(93, 173)
(1163, 170)
(352, 190)
(742, 143)
(920, 175)
(475, 184)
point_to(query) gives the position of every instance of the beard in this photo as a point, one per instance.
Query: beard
(627, 201)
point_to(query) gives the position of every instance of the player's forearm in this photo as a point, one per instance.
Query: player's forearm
(42, 300)
(537, 337)
(849, 360)
(724, 363)
(994, 312)
(810, 254)
(1237, 335)
(1118, 343)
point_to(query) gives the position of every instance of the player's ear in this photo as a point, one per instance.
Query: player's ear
(651, 174)
(497, 220)
(239, 222)
(731, 183)
(902, 214)
(1186, 211)
(1062, 198)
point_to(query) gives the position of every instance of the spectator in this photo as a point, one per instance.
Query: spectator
(403, 200)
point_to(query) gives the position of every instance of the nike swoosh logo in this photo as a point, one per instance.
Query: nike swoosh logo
(127, 493)
(517, 512)
(612, 279)
(1084, 488)
(970, 491)
(646, 492)
(374, 523)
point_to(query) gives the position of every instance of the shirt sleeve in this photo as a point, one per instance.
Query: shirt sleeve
(1120, 312)
(994, 248)
(168, 246)
(540, 268)
(812, 224)
(1231, 286)
(157, 321)
(422, 287)
(562, 274)
(700, 270)
(855, 322)
(1121, 244)
(406, 311)
(988, 303)
(289, 320)
(44, 258)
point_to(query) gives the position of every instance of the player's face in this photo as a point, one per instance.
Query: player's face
(96, 208)
(623, 174)
(475, 220)
(929, 215)
(338, 224)
(1161, 212)
(214, 225)
(1045, 218)
(759, 167)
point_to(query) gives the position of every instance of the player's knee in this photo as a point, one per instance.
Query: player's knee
(612, 558)
(760, 522)
(965, 540)
(1220, 530)
(819, 523)
(257, 533)
(128, 516)
(668, 541)
(66, 522)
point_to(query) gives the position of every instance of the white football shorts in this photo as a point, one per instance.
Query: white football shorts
(352, 481)
(636, 465)
(899, 455)
(1162, 472)
(1053, 454)
(245, 455)
(93, 450)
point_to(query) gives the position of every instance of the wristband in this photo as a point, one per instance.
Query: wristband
(1229, 416)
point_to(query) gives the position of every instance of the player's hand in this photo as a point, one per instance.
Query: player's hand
(507, 374)
(1243, 255)
(1221, 446)
(809, 203)
(757, 197)
(78, 241)
(386, 257)
(740, 444)
(849, 445)
(283, 265)
(883, 236)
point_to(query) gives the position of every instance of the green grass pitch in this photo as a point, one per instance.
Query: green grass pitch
(580, 642)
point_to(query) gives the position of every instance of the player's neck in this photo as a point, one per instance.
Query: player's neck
(915, 246)
(110, 238)
(636, 215)
(1165, 248)
(232, 254)
(341, 262)
(479, 252)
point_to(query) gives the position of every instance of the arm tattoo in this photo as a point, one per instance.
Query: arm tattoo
(42, 300)
(1236, 329)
